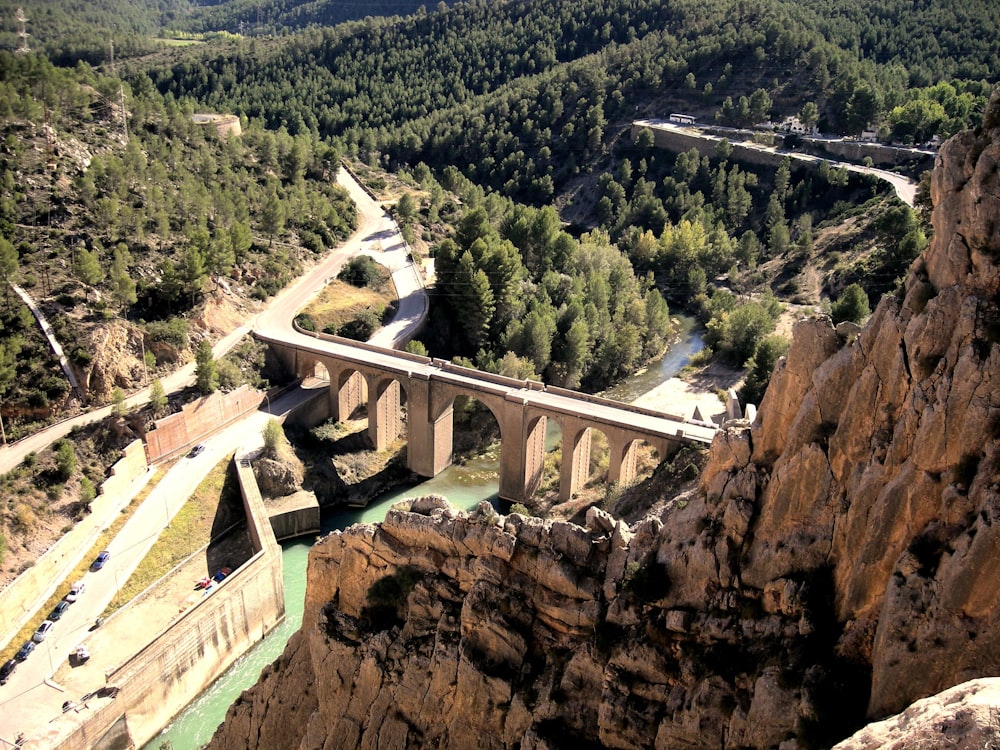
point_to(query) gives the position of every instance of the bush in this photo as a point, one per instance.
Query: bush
(65, 460)
(851, 306)
(305, 322)
(760, 366)
(361, 328)
(274, 436)
(173, 332)
(361, 271)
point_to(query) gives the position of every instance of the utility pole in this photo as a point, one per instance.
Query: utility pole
(121, 97)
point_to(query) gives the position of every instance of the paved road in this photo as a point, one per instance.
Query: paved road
(373, 224)
(905, 188)
(30, 700)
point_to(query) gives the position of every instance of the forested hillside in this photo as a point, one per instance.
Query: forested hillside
(257, 17)
(71, 30)
(138, 217)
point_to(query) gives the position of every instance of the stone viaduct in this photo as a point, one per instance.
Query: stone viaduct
(364, 375)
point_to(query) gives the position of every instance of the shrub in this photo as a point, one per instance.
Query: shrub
(65, 459)
(274, 436)
(361, 271)
(173, 332)
(361, 328)
(851, 306)
(760, 366)
(305, 322)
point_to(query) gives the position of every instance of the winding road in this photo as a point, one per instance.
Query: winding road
(906, 188)
(31, 700)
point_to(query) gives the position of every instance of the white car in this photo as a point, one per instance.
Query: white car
(74, 591)
(43, 630)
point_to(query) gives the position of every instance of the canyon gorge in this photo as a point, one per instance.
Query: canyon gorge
(837, 562)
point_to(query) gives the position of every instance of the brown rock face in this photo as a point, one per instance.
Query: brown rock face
(839, 561)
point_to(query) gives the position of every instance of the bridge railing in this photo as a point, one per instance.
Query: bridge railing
(363, 345)
(557, 391)
(502, 380)
(489, 377)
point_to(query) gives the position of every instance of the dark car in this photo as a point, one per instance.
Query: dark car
(22, 653)
(100, 560)
(197, 450)
(58, 611)
(7, 670)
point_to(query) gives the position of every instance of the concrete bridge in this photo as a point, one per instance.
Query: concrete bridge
(361, 374)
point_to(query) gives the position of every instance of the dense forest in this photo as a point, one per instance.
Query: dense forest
(139, 215)
(510, 121)
(501, 133)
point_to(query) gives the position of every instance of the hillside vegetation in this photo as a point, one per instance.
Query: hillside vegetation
(558, 240)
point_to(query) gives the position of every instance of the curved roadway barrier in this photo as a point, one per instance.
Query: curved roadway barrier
(676, 137)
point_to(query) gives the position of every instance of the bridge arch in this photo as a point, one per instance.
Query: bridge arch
(385, 381)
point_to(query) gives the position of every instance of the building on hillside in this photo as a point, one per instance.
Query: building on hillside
(793, 124)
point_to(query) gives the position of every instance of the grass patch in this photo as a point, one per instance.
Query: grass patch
(340, 303)
(189, 531)
(25, 633)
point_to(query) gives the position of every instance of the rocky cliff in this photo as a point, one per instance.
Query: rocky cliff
(838, 562)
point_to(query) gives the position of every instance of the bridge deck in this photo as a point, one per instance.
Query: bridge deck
(600, 411)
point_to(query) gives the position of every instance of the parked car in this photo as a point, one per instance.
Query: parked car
(58, 611)
(221, 574)
(197, 450)
(27, 648)
(43, 630)
(74, 591)
(100, 560)
(7, 670)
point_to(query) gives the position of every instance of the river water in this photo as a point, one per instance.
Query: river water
(464, 485)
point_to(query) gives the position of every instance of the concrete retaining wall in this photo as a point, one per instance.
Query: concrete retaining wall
(162, 678)
(178, 432)
(879, 154)
(298, 522)
(677, 141)
(23, 596)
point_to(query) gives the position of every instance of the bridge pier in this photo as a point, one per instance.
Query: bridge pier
(622, 461)
(575, 466)
(364, 375)
(385, 421)
(522, 460)
(429, 428)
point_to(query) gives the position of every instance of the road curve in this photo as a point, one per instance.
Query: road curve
(906, 188)
(373, 224)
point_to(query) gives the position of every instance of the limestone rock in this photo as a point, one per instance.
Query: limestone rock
(278, 477)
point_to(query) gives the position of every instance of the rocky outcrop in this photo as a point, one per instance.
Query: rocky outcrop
(965, 717)
(838, 561)
(115, 361)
